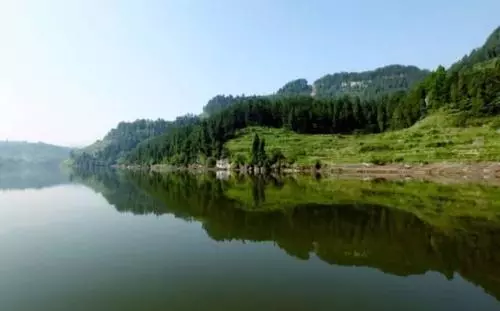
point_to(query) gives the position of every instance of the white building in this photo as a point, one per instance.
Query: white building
(223, 164)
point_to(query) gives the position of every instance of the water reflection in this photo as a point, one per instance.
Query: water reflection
(32, 176)
(399, 228)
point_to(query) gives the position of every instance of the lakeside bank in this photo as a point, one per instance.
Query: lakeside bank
(445, 172)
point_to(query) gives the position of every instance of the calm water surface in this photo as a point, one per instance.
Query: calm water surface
(106, 241)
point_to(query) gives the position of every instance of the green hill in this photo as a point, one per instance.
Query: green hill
(387, 105)
(434, 139)
(489, 50)
(366, 85)
(124, 138)
(369, 84)
(295, 87)
(219, 102)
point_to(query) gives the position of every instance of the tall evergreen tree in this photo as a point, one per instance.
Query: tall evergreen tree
(255, 149)
(262, 152)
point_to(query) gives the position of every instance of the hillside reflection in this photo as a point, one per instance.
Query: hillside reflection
(361, 225)
(32, 176)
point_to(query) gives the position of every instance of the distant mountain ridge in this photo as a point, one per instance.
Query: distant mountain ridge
(370, 84)
(364, 84)
(33, 153)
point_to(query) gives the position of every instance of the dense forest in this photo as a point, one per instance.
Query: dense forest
(369, 84)
(365, 85)
(220, 102)
(124, 138)
(489, 50)
(473, 90)
(390, 98)
(303, 114)
(295, 87)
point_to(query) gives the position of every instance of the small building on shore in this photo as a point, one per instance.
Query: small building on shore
(223, 164)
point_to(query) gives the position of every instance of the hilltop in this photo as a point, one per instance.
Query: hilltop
(489, 50)
(370, 84)
(124, 138)
(365, 85)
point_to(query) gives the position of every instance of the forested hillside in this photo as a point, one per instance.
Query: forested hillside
(296, 87)
(16, 152)
(302, 114)
(389, 98)
(365, 85)
(219, 103)
(369, 84)
(490, 50)
(122, 139)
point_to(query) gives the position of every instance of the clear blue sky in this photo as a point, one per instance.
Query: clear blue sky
(72, 69)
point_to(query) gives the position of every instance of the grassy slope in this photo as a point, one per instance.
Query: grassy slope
(434, 139)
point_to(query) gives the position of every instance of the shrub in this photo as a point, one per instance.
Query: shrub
(495, 124)
(439, 144)
(317, 166)
(277, 157)
(225, 153)
(367, 148)
(416, 135)
(211, 162)
(240, 159)
(399, 159)
(378, 161)
(292, 159)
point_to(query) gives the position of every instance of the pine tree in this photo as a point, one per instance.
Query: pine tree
(381, 117)
(262, 152)
(255, 149)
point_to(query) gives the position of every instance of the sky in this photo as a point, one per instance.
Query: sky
(70, 70)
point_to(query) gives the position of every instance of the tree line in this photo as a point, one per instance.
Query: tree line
(470, 87)
(301, 114)
(370, 84)
(473, 90)
(119, 141)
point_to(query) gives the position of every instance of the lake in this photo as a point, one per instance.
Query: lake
(132, 241)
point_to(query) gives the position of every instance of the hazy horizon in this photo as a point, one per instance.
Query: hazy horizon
(72, 70)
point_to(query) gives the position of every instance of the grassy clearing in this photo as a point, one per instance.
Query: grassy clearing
(434, 139)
